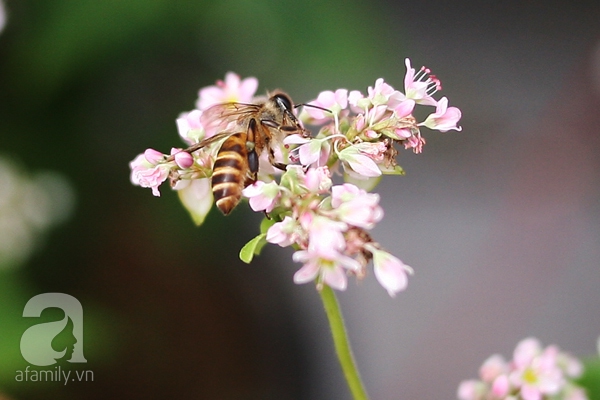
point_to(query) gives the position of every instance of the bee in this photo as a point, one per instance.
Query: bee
(248, 130)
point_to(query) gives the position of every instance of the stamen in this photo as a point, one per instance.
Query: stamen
(433, 83)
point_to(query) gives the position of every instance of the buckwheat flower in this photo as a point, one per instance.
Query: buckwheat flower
(380, 93)
(196, 196)
(325, 236)
(420, 86)
(154, 157)
(444, 118)
(358, 102)
(535, 370)
(355, 206)
(189, 127)
(501, 386)
(535, 373)
(375, 150)
(182, 158)
(415, 142)
(471, 390)
(311, 151)
(334, 102)
(148, 175)
(284, 233)
(263, 196)
(318, 180)
(329, 268)
(492, 368)
(404, 108)
(232, 89)
(391, 273)
(357, 161)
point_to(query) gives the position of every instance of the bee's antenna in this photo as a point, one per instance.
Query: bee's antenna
(313, 106)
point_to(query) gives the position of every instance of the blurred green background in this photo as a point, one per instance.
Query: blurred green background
(170, 311)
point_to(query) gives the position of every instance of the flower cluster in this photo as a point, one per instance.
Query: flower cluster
(534, 373)
(327, 224)
(359, 131)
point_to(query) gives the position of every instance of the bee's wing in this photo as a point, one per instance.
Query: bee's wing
(208, 141)
(222, 116)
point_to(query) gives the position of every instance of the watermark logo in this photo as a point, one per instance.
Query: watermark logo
(36, 342)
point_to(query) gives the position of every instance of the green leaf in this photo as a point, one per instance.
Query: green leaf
(253, 248)
(266, 223)
(591, 378)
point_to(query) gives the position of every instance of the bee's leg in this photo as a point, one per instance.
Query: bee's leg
(253, 161)
(277, 165)
(252, 155)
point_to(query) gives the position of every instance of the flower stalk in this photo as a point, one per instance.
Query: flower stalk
(342, 344)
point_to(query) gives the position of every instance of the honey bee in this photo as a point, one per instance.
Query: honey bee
(248, 130)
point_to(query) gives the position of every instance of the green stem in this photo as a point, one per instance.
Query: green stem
(342, 345)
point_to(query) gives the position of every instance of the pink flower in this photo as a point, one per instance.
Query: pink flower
(471, 390)
(233, 89)
(196, 196)
(263, 196)
(335, 102)
(380, 93)
(154, 157)
(325, 236)
(183, 159)
(360, 163)
(189, 126)
(501, 387)
(358, 102)
(391, 273)
(415, 142)
(284, 233)
(444, 118)
(356, 207)
(375, 150)
(404, 108)
(145, 174)
(534, 373)
(421, 86)
(317, 180)
(310, 151)
(329, 268)
(493, 367)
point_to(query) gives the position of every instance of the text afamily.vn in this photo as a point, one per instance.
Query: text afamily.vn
(57, 374)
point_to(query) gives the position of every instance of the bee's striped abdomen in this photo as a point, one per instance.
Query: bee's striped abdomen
(229, 172)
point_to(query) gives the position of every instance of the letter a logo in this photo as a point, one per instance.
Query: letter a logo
(36, 342)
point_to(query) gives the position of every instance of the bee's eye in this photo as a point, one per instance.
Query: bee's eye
(284, 102)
